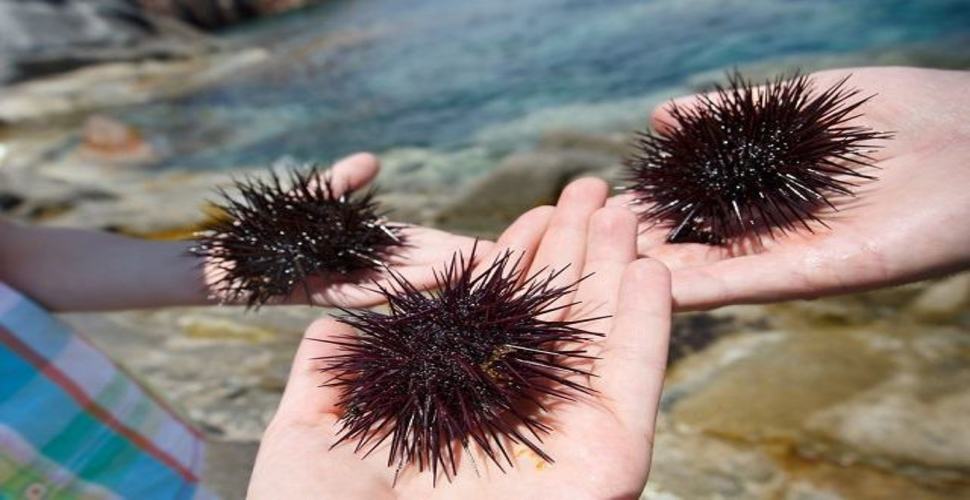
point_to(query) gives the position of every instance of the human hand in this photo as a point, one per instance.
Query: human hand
(423, 248)
(601, 444)
(909, 224)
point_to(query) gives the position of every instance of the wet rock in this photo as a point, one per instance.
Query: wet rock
(923, 406)
(944, 300)
(44, 36)
(803, 490)
(227, 380)
(616, 145)
(175, 204)
(10, 201)
(207, 327)
(107, 139)
(35, 197)
(411, 208)
(518, 183)
(429, 172)
(170, 205)
(214, 14)
(869, 410)
(780, 383)
(689, 465)
(692, 333)
(111, 85)
(615, 118)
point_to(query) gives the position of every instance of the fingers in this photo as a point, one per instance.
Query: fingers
(662, 121)
(634, 357)
(563, 246)
(762, 278)
(426, 246)
(304, 400)
(353, 172)
(611, 246)
(521, 238)
(680, 255)
(358, 295)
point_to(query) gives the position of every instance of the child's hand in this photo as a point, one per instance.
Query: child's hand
(424, 248)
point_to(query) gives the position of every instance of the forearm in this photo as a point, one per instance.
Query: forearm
(77, 270)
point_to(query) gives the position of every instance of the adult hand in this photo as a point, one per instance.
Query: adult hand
(909, 224)
(601, 444)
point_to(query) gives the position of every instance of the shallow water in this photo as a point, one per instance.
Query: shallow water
(443, 75)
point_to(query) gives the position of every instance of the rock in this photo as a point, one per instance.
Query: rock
(46, 36)
(110, 85)
(869, 410)
(616, 145)
(429, 172)
(803, 490)
(10, 201)
(693, 332)
(689, 465)
(944, 300)
(410, 208)
(107, 139)
(223, 367)
(35, 197)
(214, 14)
(228, 466)
(783, 404)
(205, 327)
(923, 406)
(614, 117)
(134, 207)
(169, 205)
(520, 182)
(768, 390)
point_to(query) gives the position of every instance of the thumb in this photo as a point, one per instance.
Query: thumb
(662, 119)
(305, 398)
(353, 172)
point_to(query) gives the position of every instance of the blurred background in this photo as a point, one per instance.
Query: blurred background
(123, 114)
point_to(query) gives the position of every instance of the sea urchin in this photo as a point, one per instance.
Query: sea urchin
(749, 159)
(278, 233)
(471, 362)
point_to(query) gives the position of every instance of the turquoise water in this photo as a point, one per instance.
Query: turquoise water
(438, 74)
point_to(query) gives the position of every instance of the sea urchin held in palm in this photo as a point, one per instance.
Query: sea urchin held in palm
(473, 362)
(752, 159)
(280, 231)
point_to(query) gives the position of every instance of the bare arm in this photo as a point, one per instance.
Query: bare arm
(78, 270)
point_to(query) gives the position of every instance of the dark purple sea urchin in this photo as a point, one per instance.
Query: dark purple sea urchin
(279, 232)
(749, 160)
(471, 362)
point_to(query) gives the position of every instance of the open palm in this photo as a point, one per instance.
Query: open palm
(910, 223)
(424, 248)
(601, 445)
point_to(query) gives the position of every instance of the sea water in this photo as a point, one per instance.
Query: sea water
(443, 75)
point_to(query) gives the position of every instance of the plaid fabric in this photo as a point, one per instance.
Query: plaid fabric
(74, 426)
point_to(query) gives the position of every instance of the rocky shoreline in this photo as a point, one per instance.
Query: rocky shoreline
(795, 401)
(790, 401)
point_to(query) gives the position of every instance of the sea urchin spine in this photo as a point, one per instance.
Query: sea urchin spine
(750, 159)
(471, 362)
(276, 234)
